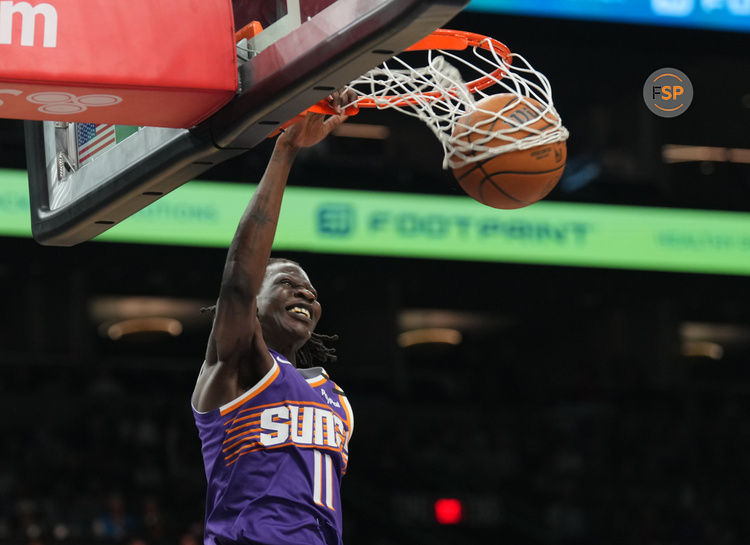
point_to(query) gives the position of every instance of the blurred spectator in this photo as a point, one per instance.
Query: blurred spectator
(189, 539)
(104, 385)
(115, 524)
(153, 520)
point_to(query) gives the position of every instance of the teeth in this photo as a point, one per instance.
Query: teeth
(303, 311)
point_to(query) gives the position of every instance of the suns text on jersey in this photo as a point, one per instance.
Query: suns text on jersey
(301, 425)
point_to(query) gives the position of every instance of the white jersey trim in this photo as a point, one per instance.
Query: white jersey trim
(316, 378)
(350, 413)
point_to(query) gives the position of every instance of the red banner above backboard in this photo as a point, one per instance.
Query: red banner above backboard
(165, 63)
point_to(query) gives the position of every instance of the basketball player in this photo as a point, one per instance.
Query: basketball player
(275, 434)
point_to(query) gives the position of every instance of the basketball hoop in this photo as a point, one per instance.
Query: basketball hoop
(445, 92)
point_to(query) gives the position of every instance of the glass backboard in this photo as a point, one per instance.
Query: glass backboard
(86, 177)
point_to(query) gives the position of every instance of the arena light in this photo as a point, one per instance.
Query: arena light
(672, 153)
(120, 307)
(702, 349)
(724, 333)
(362, 130)
(428, 335)
(154, 324)
(448, 511)
(462, 320)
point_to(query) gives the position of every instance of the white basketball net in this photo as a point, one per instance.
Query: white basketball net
(438, 95)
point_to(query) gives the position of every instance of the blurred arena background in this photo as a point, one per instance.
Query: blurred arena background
(581, 406)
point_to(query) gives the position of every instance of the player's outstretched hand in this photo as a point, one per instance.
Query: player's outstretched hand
(340, 99)
(313, 128)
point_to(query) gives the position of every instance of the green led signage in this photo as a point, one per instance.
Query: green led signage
(432, 226)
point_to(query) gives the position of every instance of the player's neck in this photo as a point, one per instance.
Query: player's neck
(289, 352)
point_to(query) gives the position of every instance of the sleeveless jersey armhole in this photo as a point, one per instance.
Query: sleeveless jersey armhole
(262, 384)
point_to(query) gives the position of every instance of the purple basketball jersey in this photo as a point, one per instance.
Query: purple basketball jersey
(274, 460)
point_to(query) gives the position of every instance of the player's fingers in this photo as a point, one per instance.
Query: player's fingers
(343, 98)
(330, 99)
(314, 116)
(348, 96)
(335, 121)
(334, 101)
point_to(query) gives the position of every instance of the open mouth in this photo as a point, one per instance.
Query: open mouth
(300, 311)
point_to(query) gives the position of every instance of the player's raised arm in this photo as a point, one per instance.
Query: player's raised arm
(237, 356)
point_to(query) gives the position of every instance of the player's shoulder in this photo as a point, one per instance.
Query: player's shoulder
(317, 376)
(314, 376)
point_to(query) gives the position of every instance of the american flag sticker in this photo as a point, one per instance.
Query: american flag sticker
(93, 139)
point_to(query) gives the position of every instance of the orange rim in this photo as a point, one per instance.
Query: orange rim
(442, 38)
(450, 40)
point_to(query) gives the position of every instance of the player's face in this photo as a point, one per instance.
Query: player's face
(288, 303)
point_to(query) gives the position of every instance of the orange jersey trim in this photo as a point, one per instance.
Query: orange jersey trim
(318, 382)
(252, 392)
(241, 418)
(276, 404)
(346, 412)
(238, 438)
(242, 450)
(284, 402)
(249, 424)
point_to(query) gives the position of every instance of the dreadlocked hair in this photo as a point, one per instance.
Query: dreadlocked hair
(314, 351)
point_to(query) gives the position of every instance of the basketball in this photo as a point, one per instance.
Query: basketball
(517, 178)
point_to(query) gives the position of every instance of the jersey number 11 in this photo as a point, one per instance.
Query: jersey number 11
(322, 475)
